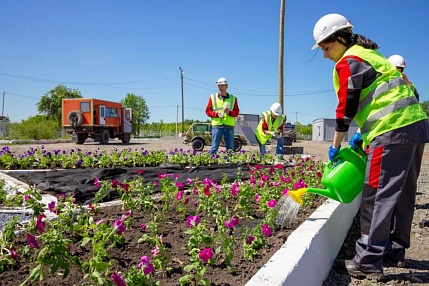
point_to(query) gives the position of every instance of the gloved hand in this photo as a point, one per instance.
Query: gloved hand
(278, 134)
(356, 141)
(333, 152)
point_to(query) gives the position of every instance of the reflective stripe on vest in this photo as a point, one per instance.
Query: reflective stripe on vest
(217, 105)
(388, 103)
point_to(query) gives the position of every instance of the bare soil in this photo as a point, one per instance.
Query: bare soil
(417, 258)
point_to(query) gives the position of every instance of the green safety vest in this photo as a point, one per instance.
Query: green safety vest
(388, 103)
(217, 105)
(272, 126)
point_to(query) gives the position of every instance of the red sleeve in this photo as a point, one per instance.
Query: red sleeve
(264, 124)
(209, 109)
(235, 111)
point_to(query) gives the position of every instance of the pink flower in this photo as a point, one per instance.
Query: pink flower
(117, 279)
(97, 182)
(126, 214)
(145, 265)
(232, 223)
(192, 221)
(40, 225)
(99, 221)
(155, 251)
(284, 192)
(13, 254)
(143, 226)
(299, 184)
(235, 190)
(31, 239)
(205, 254)
(119, 226)
(162, 176)
(125, 187)
(271, 203)
(91, 207)
(26, 197)
(115, 183)
(249, 239)
(266, 230)
(188, 181)
(179, 185)
(207, 190)
(180, 195)
(257, 198)
(51, 207)
(139, 172)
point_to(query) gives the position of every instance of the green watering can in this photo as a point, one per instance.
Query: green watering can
(342, 179)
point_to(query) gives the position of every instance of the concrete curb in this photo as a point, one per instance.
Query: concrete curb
(307, 256)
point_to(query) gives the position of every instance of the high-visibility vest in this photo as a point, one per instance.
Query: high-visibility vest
(272, 126)
(217, 105)
(388, 103)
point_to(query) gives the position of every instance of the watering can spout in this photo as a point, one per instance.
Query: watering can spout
(324, 192)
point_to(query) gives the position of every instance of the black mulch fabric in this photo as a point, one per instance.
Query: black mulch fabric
(81, 181)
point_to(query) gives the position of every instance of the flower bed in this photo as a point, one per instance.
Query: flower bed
(196, 232)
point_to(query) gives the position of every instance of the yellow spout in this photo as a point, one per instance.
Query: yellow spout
(296, 195)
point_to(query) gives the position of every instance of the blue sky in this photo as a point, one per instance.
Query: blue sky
(106, 49)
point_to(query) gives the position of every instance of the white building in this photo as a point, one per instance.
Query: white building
(324, 128)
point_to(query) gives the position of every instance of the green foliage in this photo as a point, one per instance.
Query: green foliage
(425, 106)
(34, 128)
(304, 129)
(139, 108)
(51, 102)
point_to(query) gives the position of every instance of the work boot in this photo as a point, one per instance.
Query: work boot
(348, 267)
(391, 261)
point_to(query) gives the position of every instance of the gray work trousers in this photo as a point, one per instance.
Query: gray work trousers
(388, 202)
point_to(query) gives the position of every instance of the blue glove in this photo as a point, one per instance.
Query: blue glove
(356, 141)
(333, 152)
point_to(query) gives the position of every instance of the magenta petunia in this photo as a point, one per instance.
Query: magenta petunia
(266, 230)
(40, 224)
(143, 226)
(205, 254)
(97, 182)
(180, 195)
(119, 226)
(249, 239)
(145, 265)
(13, 254)
(179, 185)
(117, 279)
(31, 239)
(284, 192)
(271, 203)
(192, 221)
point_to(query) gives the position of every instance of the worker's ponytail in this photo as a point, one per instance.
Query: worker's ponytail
(364, 42)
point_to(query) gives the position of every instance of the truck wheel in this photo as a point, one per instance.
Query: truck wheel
(126, 139)
(104, 139)
(81, 138)
(237, 145)
(198, 144)
(75, 118)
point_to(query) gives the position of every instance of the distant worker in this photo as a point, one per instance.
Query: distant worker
(271, 125)
(400, 64)
(222, 107)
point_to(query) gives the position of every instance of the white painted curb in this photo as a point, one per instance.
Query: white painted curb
(307, 256)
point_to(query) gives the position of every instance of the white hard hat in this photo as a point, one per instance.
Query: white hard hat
(276, 108)
(397, 61)
(327, 25)
(221, 80)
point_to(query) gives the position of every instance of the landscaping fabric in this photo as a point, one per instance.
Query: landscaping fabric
(81, 181)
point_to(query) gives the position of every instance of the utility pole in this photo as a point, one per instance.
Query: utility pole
(2, 107)
(177, 119)
(296, 117)
(183, 102)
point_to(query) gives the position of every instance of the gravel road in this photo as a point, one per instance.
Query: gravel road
(417, 258)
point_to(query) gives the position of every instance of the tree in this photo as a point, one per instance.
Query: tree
(425, 106)
(139, 109)
(51, 102)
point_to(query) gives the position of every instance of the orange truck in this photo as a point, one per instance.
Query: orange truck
(97, 119)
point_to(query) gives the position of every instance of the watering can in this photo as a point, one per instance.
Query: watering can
(343, 179)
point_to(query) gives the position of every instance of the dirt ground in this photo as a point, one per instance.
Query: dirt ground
(417, 257)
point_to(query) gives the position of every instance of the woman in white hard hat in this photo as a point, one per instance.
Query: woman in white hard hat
(400, 64)
(271, 125)
(395, 128)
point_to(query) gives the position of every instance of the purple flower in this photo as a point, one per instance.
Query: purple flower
(26, 197)
(179, 185)
(13, 254)
(192, 221)
(155, 251)
(97, 183)
(119, 226)
(40, 225)
(205, 254)
(117, 279)
(180, 195)
(284, 192)
(143, 226)
(235, 190)
(271, 203)
(299, 184)
(145, 265)
(257, 198)
(249, 239)
(266, 230)
(31, 239)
